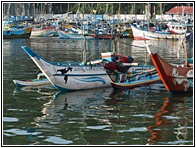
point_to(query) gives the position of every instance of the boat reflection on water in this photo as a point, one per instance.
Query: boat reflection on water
(174, 112)
(83, 102)
(100, 102)
(77, 100)
(39, 89)
(119, 114)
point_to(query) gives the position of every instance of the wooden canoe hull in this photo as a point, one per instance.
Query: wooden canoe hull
(176, 79)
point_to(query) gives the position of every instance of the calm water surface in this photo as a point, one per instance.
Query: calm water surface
(45, 116)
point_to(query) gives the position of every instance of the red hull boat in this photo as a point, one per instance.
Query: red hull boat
(176, 78)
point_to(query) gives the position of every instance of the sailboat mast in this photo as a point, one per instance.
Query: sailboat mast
(185, 51)
(84, 54)
(114, 49)
(118, 29)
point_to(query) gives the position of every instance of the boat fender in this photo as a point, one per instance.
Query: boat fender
(110, 66)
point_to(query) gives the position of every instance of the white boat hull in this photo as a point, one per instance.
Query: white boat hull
(43, 33)
(140, 34)
(77, 77)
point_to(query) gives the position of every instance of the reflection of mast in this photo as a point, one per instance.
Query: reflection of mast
(23, 9)
(171, 105)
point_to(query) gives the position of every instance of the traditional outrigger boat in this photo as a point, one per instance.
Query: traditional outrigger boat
(78, 76)
(176, 78)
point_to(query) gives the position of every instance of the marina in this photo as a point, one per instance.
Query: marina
(97, 87)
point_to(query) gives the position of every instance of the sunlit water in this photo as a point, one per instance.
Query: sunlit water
(45, 116)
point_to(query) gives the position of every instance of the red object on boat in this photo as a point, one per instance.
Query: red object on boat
(111, 66)
(176, 79)
(173, 32)
(126, 59)
(151, 29)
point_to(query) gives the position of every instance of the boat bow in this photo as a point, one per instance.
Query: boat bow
(176, 78)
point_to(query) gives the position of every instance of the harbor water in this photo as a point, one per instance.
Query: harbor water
(45, 116)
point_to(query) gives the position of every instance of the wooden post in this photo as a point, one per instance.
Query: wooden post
(185, 50)
(84, 52)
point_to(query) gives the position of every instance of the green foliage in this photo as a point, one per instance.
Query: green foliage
(113, 7)
(125, 8)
